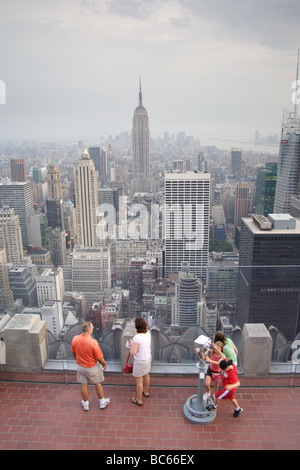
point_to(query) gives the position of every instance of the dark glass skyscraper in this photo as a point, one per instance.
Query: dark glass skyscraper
(269, 273)
(236, 162)
(265, 189)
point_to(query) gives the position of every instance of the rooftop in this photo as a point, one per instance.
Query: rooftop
(41, 411)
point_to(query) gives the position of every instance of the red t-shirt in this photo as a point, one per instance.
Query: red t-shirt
(87, 350)
(229, 376)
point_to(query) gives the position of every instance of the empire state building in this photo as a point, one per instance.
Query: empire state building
(141, 148)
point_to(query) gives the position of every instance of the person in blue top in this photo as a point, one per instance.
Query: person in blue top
(229, 348)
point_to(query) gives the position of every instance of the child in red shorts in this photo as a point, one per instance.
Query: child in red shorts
(229, 384)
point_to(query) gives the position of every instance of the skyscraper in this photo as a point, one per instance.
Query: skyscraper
(88, 271)
(59, 247)
(187, 306)
(22, 283)
(40, 233)
(269, 274)
(141, 148)
(55, 213)
(54, 182)
(20, 197)
(94, 153)
(6, 294)
(10, 235)
(288, 173)
(236, 162)
(18, 169)
(241, 203)
(37, 175)
(265, 189)
(135, 284)
(103, 163)
(186, 221)
(50, 285)
(86, 198)
(111, 166)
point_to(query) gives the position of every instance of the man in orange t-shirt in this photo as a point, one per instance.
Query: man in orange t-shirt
(87, 353)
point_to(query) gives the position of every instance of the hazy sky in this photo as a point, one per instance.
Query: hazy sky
(214, 68)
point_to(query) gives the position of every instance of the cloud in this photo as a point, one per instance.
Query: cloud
(272, 23)
(205, 66)
(136, 9)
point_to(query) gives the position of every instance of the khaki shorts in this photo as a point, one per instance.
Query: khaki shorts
(141, 368)
(93, 375)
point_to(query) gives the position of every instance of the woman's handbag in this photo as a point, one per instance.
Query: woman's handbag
(128, 367)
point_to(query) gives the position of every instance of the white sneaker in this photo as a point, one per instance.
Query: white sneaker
(85, 405)
(104, 403)
(205, 396)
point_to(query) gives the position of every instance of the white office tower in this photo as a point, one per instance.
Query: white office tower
(187, 306)
(88, 271)
(10, 235)
(186, 221)
(50, 286)
(141, 148)
(52, 313)
(86, 197)
(19, 196)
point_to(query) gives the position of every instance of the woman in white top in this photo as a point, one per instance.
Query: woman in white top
(141, 351)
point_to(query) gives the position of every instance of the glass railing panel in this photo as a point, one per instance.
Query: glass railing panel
(177, 312)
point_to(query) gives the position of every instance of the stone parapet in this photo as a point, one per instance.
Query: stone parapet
(24, 337)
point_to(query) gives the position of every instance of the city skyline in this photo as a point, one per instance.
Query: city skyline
(209, 73)
(213, 70)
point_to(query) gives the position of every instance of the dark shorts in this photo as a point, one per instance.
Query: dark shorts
(215, 376)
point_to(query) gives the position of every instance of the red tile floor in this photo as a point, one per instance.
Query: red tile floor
(48, 416)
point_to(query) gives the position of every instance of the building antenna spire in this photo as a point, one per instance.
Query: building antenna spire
(296, 92)
(140, 94)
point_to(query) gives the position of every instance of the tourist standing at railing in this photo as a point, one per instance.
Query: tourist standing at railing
(229, 348)
(87, 354)
(141, 352)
